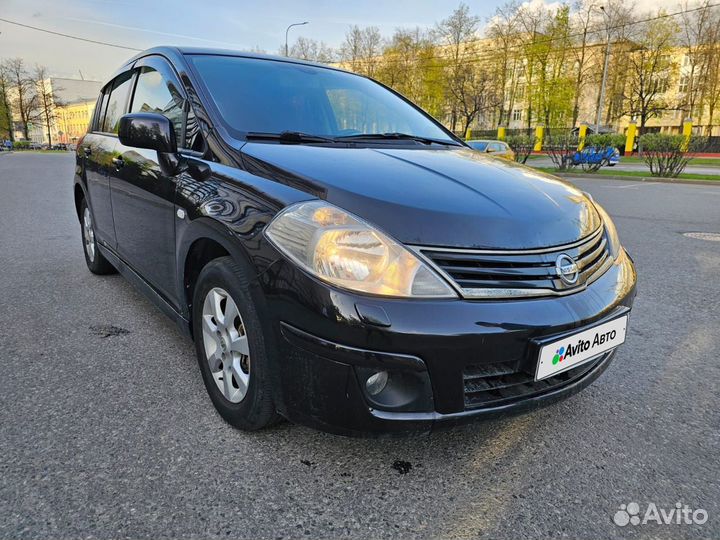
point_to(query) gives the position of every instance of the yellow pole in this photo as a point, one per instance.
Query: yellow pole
(501, 133)
(539, 130)
(468, 134)
(687, 132)
(581, 136)
(630, 138)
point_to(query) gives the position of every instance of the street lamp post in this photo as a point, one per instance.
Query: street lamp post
(601, 101)
(286, 34)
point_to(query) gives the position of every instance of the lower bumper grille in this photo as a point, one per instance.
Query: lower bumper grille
(497, 384)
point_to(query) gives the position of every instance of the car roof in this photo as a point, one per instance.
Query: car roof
(171, 51)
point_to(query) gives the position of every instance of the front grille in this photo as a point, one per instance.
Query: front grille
(498, 273)
(497, 384)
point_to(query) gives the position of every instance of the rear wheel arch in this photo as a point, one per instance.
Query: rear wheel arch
(79, 194)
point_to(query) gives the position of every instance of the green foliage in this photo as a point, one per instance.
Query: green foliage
(605, 140)
(522, 145)
(599, 143)
(668, 155)
(560, 146)
(21, 145)
(4, 128)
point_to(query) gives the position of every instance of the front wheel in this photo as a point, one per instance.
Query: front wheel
(230, 346)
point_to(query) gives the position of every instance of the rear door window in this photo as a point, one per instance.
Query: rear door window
(117, 103)
(100, 112)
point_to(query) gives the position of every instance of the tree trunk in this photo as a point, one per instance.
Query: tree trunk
(47, 125)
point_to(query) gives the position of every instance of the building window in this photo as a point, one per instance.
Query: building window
(684, 83)
(517, 115)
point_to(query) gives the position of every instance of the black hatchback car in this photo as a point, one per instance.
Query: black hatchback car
(340, 258)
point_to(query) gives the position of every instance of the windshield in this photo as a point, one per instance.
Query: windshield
(478, 145)
(266, 96)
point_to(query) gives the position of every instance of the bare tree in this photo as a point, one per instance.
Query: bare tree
(47, 99)
(473, 93)
(25, 99)
(651, 69)
(619, 22)
(371, 48)
(6, 121)
(583, 25)
(710, 94)
(362, 49)
(312, 50)
(351, 49)
(698, 36)
(502, 30)
(457, 36)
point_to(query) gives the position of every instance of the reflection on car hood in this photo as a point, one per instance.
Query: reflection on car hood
(436, 197)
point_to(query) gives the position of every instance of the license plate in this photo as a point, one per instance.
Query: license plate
(575, 349)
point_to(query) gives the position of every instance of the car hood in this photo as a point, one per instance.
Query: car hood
(434, 197)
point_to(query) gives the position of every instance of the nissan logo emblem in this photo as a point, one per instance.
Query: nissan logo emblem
(567, 269)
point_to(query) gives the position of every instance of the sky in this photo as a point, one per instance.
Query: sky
(237, 24)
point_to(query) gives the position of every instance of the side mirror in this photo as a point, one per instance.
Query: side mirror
(148, 130)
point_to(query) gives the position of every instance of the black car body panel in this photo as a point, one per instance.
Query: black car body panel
(153, 226)
(440, 197)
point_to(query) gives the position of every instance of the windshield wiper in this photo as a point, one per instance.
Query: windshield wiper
(288, 136)
(397, 136)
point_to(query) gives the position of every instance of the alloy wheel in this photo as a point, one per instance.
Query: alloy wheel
(226, 345)
(89, 235)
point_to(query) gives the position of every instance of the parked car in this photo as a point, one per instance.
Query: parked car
(496, 148)
(607, 157)
(339, 257)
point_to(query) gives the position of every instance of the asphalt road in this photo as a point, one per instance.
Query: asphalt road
(637, 167)
(114, 436)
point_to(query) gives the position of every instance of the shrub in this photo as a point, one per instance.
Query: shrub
(522, 145)
(560, 148)
(21, 145)
(668, 155)
(599, 143)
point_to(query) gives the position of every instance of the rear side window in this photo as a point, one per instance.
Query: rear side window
(116, 103)
(155, 94)
(100, 112)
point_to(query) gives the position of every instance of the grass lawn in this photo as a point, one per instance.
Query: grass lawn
(634, 174)
(694, 161)
(712, 162)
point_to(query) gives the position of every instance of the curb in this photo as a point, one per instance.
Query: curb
(653, 179)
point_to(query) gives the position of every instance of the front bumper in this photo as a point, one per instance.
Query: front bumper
(324, 335)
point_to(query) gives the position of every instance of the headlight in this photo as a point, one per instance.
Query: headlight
(610, 231)
(343, 250)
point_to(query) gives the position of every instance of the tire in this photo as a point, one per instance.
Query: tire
(235, 349)
(96, 261)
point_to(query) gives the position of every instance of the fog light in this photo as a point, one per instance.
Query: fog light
(395, 389)
(376, 383)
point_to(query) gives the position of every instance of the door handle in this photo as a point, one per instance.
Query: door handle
(88, 151)
(119, 162)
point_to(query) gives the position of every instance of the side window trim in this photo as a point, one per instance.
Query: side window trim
(100, 113)
(108, 90)
(166, 70)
